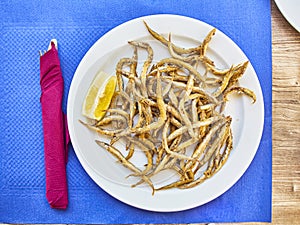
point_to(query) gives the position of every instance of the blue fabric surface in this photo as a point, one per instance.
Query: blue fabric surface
(27, 27)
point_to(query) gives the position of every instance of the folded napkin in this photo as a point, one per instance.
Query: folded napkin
(56, 135)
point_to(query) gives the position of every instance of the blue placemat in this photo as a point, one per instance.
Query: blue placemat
(27, 26)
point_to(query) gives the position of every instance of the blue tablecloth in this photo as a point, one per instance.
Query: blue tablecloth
(27, 26)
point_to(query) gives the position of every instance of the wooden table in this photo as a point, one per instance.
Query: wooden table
(286, 120)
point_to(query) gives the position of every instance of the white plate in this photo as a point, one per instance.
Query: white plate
(291, 11)
(247, 124)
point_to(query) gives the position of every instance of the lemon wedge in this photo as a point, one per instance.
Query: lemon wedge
(99, 96)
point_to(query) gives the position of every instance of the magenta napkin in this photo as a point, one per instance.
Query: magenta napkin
(55, 129)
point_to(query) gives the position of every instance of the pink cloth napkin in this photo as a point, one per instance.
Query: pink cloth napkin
(56, 136)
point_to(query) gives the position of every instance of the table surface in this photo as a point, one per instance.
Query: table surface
(286, 121)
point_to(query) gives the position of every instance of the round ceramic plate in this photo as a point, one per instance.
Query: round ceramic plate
(247, 124)
(290, 9)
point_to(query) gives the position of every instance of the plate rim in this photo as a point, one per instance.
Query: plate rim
(282, 6)
(94, 175)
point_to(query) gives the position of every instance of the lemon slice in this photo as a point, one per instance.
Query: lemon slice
(99, 96)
